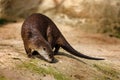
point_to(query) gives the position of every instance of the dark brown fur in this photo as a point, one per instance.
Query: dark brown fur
(41, 31)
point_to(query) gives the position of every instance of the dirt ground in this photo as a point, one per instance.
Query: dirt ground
(15, 65)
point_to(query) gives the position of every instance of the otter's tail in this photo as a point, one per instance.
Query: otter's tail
(71, 50)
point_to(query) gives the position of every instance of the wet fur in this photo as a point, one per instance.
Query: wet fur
(39, 30)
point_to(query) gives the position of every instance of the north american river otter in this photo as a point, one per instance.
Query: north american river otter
(39, 33)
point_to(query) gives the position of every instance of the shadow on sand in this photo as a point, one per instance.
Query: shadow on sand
(70, 56)
(36, 54)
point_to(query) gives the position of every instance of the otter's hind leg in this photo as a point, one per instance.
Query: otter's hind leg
(57, 47)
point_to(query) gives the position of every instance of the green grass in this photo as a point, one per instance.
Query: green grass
(108, 72)
(117, 32)
(2, 78)
(3, 21)
(43, 70)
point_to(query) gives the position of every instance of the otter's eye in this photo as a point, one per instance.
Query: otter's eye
(44, 48)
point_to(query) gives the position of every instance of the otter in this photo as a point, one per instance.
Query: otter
(40, 33)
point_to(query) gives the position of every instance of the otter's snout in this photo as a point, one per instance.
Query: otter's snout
(49, 57)
(53, 60)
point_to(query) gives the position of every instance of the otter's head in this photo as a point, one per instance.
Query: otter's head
(46, 52)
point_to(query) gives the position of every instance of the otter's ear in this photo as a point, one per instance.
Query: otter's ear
(49, 31)
(49, 35)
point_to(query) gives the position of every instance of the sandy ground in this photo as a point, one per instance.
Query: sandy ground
(12, 55)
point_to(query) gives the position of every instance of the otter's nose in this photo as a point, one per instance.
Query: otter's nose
(53, 60)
